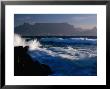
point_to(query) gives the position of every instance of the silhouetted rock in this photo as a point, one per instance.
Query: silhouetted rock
(25, 66)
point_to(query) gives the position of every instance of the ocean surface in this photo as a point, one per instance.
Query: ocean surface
(66, 56)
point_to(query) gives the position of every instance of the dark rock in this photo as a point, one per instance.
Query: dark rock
(25, 66)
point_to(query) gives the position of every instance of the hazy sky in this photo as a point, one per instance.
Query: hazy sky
(84, 21)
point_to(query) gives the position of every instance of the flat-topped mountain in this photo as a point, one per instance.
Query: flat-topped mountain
(52, 29)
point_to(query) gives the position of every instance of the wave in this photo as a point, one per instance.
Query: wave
(73, 41)
(63, 60)
(33, 44)
(63, 53)
(67, 61)
(58, 52)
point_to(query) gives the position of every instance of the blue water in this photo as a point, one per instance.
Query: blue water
(68, 56)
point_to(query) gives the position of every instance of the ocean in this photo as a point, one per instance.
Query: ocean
(66, 56)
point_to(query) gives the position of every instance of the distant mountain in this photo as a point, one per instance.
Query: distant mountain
(52, 29)
(92, 32)
(87, 32)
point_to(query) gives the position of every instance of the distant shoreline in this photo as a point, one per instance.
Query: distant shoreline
(93, 37)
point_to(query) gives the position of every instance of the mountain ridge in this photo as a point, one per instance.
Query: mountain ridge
(51, 29)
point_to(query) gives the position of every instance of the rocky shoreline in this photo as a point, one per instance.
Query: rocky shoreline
(25, 66)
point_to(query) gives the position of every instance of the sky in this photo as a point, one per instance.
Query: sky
(83, 21)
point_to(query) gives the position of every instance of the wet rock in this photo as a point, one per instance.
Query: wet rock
(25, 66)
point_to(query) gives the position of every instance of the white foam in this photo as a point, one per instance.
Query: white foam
(34, 44)
(19, 41)
(58, 52)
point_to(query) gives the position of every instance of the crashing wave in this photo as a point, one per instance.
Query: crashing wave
(81, 59)
(58, 52)
(19, 41)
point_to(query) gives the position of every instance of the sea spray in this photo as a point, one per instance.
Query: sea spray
(69, 52)
(33, 44)
(18, 41)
